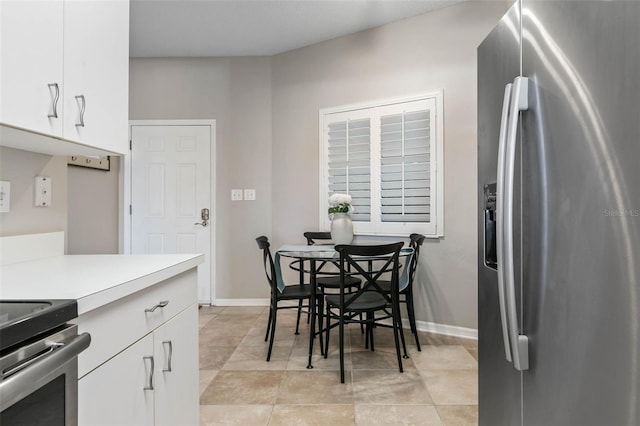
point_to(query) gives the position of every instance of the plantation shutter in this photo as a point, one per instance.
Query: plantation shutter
(349, 170)
(405, 167)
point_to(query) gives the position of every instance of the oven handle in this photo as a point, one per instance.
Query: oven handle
(24, 380)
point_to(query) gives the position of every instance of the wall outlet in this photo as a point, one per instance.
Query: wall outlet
(42, 191)
(250, 194)
(5, 196)
(236, 195)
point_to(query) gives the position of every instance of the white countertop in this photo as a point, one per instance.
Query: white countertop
(92, 280)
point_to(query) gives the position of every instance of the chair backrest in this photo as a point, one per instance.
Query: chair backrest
(415, 243)
(269, 266)
(313, 237)
(388, 261)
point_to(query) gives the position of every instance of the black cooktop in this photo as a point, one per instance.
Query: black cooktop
(21, 320)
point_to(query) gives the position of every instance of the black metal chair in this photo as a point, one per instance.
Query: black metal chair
(406, 292)
(298, 292)
(346, 307)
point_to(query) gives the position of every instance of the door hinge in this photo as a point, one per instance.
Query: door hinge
(130, 144)
(130, 209)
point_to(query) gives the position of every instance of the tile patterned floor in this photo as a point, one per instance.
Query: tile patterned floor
(238, 387)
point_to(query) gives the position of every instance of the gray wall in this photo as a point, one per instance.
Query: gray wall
(92, 213)
(429, 52)
(266, 111)
(236, 92)
(20, 168)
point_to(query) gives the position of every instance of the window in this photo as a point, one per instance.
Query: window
(388, 156)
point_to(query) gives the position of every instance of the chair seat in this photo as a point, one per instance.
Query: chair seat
(295, 292)
(367, 301)
(386, 286)
(334, 282)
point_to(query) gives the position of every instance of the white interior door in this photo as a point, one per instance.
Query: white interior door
(170, 189)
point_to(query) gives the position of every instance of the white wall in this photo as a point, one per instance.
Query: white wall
(429, 52)
(20, 168)
(236, 92)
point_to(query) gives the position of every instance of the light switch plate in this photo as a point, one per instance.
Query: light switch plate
(5, 196)
(42, 191)
(236, 195)
(250, 194)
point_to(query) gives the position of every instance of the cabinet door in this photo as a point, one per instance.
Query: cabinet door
(96, 73)
(30, 61)
(114, 393)
(176, 346)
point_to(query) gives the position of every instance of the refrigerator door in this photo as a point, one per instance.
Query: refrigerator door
(499, 382)
(581, 213)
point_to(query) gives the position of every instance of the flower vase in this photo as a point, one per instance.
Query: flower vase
(341, 228)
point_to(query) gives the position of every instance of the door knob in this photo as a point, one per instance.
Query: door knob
(204, 215)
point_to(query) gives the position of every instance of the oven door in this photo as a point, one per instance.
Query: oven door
(39, 381)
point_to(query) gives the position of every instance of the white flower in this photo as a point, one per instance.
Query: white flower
(337, 199)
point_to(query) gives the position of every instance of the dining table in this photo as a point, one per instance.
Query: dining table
(321, 253)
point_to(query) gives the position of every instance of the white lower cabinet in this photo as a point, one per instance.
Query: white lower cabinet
(152, 382)
(114, 394)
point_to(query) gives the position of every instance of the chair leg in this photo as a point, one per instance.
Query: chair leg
(326, 341)
(341, 336)
(370, 326)
(273, 332)
(298, 318)
(320, 311)
(412, 318)
(266, 336)
(397, 342)
(401, 331)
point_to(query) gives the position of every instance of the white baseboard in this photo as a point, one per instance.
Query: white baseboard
(241, 302)
(430, 327)
(448, 330)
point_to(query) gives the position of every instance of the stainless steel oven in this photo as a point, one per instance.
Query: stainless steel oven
(39, 373)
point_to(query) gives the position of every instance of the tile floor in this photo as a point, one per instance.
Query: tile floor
(238, 387)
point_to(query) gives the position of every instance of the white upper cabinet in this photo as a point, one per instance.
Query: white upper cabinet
(96, 73)
(31, 67)
(70, 59)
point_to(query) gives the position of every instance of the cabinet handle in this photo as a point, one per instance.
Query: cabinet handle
(54, 100)
(150, 358)
(168, 369)
(82, 107)
(162, 304)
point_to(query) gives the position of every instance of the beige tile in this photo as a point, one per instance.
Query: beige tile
(243, 387)
(206, 376)
(204, 320)
(442, 339)
(389, 387)
(443, 358)
(207, 339)
(383, 358)
(232, 415)
(312, 415)
(222, 319)
(255, 358)
(389, 415)
(315, 387)
(473, 350)
(244, 310)
(210, 310)
(216, 328)
(213, 357)
(459, 415)
(452, 386)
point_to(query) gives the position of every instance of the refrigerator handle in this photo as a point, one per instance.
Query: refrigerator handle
(519, 343)
(502, 158)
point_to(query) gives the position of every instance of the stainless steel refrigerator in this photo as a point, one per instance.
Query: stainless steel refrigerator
(559, 215)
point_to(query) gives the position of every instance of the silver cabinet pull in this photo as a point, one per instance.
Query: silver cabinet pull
(82, 105)
(54, 100)
(150, 358)
(162, 304)
(168, 342)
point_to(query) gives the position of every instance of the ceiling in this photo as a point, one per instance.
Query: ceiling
(170, 28)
